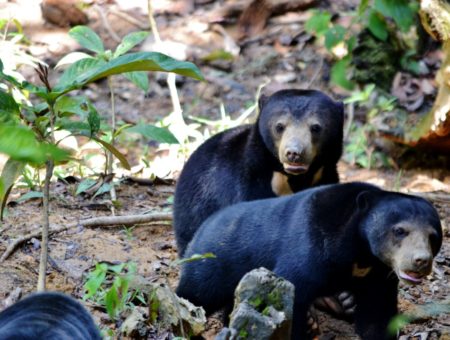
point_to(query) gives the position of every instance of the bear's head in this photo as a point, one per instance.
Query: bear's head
(403, 231)
(301, 126)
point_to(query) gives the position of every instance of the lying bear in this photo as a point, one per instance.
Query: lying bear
(49, 316)
(295, 144)
(324, 240)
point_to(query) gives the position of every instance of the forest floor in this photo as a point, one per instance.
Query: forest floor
(232, 84)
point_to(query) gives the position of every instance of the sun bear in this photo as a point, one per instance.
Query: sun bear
(294, 144)
(324, 240)
(50, 316)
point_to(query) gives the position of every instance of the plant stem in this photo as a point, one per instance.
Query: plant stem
(45, 226)
(49, 166)
(113, 132)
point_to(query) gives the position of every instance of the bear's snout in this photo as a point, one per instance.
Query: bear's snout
(422, 261)
(294, 155)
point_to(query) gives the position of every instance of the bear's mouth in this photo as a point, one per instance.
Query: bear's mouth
(411, 276)
(295, 168)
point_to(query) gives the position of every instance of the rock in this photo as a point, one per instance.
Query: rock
(134, 325)
(63, 13)
(170, 311)
(263, 307)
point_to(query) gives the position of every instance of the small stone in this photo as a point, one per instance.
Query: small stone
(285, 77)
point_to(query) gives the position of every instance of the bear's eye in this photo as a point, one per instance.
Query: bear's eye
(400, 232)
(279, 128)
(315, 128)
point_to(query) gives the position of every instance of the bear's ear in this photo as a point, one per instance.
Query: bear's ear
(262, 101)
(363, 200)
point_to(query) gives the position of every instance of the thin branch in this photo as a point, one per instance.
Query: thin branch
(129, 18)
(90, 222)
(113, 132)
(106, 24)
(45, 227)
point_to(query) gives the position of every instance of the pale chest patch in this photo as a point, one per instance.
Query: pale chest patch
(317, 176)
(280, 185)
(360, 271)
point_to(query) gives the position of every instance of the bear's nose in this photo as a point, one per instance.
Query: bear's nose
(294, 155)
(422, 260)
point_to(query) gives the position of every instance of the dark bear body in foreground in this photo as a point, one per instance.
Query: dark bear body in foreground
(295, 144)
(324, 240)
(48, 316)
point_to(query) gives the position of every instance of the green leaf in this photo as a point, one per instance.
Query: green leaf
(71, 77)
(72, 58)
(155, 133)
(96, 278)
(9, 109)
(195, 257)
(30, 195)
(81, 128)
(339, 74)
(129, 41)
(362, 7)
(105, 187)
(89, 70)
(20, 144)
(85, 185)
(399, 10)
(78, 105)
(218, 55)
(93, 120)
(334, 36)
(87, 38)
(318, 23)
(112, 302)
(11, 171)
(115, 152)
(138, 78)
(377, 26)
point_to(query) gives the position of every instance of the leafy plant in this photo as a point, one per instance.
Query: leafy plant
(108, 286)
(358, 149)
(29, 121)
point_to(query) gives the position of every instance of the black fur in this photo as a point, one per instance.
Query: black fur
(238, 164)
(313, 239)
(48, 316)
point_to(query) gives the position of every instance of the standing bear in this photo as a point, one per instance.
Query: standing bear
(295, 144)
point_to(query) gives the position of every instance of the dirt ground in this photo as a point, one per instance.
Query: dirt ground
(233, 84)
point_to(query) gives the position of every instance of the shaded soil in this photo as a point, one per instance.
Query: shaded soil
(299, 64)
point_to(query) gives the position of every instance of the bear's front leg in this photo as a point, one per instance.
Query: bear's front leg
(376, 305)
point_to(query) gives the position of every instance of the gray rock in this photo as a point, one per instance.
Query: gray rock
(263, 308)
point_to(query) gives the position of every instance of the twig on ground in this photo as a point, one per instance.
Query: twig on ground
(129, 18)
(432, 196)
(106, 24)
(316, 74)
(90, 222)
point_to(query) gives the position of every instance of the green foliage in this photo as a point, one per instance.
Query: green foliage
(318, 23)
(108, 286)
(154, 133)
(87, 38)
(399, 10)
(20, 143)
(195, 257)
(380, 17)
(358, 148)
(27, 130)
(377, 25)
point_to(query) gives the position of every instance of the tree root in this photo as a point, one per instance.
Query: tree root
(90, 222)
